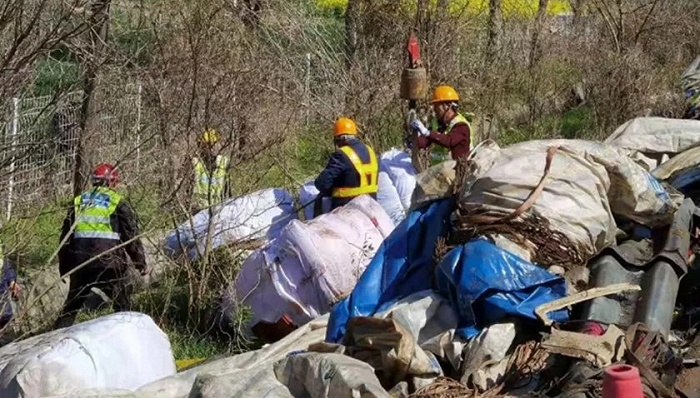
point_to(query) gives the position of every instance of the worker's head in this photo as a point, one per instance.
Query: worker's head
(344, 130)
(208, 140)
(105, 175)
(445, 103)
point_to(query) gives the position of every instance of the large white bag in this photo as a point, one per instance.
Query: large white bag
(119, 351)
(312, 265)
(588, 183)
(259, 215)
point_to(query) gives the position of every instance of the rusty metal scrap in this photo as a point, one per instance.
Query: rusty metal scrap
(444, 387)
(553, 247)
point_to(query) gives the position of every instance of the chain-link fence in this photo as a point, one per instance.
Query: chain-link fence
(40, 139)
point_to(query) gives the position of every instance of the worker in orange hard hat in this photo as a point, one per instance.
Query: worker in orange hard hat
(351, 171)
(451, 132)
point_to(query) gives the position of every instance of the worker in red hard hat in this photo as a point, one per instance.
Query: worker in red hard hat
(351, 171)
(101, 235)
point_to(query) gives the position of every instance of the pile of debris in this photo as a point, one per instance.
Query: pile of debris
(526, 271)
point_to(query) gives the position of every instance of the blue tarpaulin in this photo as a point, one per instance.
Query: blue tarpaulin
(482, 282)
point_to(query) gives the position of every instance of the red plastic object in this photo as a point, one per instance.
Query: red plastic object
(622, 381)
(593, 328)
(413, 51)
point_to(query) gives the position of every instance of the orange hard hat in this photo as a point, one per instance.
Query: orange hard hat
(344, 126)
(444, 94)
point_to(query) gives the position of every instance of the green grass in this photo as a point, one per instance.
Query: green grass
(55, 76)
(31, 240)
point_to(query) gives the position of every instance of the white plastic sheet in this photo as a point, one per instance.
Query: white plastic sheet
(311, 265)
(389, 199)
(261, 214)
(120, 351)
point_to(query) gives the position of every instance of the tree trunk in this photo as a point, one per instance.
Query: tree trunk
(494, 27)
(97, 39)
(535, 47)
(351, 38)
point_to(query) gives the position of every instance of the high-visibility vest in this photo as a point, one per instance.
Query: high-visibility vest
(93, 210)
(209, 189)
(439, 153)
(368, 172)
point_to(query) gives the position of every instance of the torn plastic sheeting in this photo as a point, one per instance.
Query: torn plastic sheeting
(317, 375)
(401, 267)
(485, 284)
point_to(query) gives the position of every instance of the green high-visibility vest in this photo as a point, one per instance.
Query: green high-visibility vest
(439, 153)
(209, 189)
(93, 210)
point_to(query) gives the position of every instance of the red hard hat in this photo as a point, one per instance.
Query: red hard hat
(105, 172)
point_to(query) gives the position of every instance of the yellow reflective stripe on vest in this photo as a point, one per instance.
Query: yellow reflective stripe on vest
(210, 186)
(368, 172)
(93, 211)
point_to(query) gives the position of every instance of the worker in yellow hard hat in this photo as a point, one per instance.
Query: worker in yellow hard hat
(352, 169)
(451, 132)
(210, 172)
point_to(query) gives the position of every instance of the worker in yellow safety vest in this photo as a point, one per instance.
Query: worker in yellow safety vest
(210, 171)
(451, 133)
(352, 169)
(101, 240)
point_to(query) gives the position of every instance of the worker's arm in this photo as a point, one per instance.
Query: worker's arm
(326, 180)
(460, 133)
(423, 142)
(129, 232)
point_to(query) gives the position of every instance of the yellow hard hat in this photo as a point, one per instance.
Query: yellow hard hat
(444, 94)
(344, 126)
(209, 136)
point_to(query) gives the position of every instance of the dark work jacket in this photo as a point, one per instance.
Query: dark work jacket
(6, 278)
(340, 172)
(78, 251)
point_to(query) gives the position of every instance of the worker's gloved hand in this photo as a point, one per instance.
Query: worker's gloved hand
(418, 127)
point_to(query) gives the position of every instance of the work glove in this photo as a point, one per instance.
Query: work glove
(418, 127)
